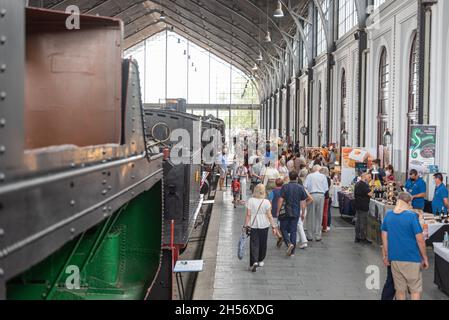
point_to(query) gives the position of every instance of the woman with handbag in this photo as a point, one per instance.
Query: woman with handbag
(257, 222)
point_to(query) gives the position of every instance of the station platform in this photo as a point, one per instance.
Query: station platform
(334, 269)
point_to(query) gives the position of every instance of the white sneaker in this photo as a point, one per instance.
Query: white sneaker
(254, 267)
(261, 264)
(328, 229)
(303, 246)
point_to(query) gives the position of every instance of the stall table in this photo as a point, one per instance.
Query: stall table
(378, 210)
(334, 194)
(441, 267)
(376, 215)
(436, 233)
(345, 202)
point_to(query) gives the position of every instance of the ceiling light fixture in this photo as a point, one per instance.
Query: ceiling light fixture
(278, 13)
(268, 37)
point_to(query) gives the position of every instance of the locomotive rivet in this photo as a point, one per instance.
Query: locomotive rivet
(104, 192)
(72, 230)
(2, 12)
(2, 123)
(72, 165)
(134, 130)
(2, 149)
(104, 182)
(72, 203)
(132, 193)
(1, 272)
(2, 67)
(2, 39)
(110, 208)
(2, 95)
(2, 232)
(105, 209)
(133, 177)
(2, 177)
(110, 187)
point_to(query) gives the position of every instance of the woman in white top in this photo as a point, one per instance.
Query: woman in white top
(270, 174)
(259, 219)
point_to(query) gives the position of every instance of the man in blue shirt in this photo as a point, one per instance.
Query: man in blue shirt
(295, 197)
(440, 201)
(404, 248)
(417, 187)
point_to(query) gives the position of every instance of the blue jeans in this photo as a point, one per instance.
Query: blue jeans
(289, 228)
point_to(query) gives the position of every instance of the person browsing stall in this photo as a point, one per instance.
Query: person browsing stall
(362, 198)
(317, 186)
(440, 201)
(417, 187)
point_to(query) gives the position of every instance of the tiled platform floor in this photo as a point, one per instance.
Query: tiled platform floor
(331, 270)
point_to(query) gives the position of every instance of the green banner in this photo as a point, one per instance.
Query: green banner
(422, 149)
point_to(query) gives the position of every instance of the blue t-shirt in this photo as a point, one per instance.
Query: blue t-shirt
(438, 199)
(274, 197)
(414, 188)
(294, 193)
(402, 230)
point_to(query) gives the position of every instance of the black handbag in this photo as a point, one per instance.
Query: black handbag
(286, 211)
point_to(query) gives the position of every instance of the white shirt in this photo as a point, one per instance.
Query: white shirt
(316, 183)
(252, 160)
(283, 171)
(291, 165)
(261, 221)
(270, 174)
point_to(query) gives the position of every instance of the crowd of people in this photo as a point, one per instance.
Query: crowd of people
(289, 193)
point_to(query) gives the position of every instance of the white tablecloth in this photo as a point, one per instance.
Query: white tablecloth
(434, 227)
(334, 192)
(441, 251)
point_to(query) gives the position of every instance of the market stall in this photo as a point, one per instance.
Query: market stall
(441, 267)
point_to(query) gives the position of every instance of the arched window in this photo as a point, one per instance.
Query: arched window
(344, 105)
(384, 96)
(413, 112)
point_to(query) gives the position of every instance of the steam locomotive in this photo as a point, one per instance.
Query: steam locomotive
(86, 195)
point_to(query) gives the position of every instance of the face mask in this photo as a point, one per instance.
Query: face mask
(388, 173)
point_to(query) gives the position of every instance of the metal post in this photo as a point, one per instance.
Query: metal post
(187, 59)
(166, 65)
(230, 100)
(144, 69)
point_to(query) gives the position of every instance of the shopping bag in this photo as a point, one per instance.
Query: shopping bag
(242, 245)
